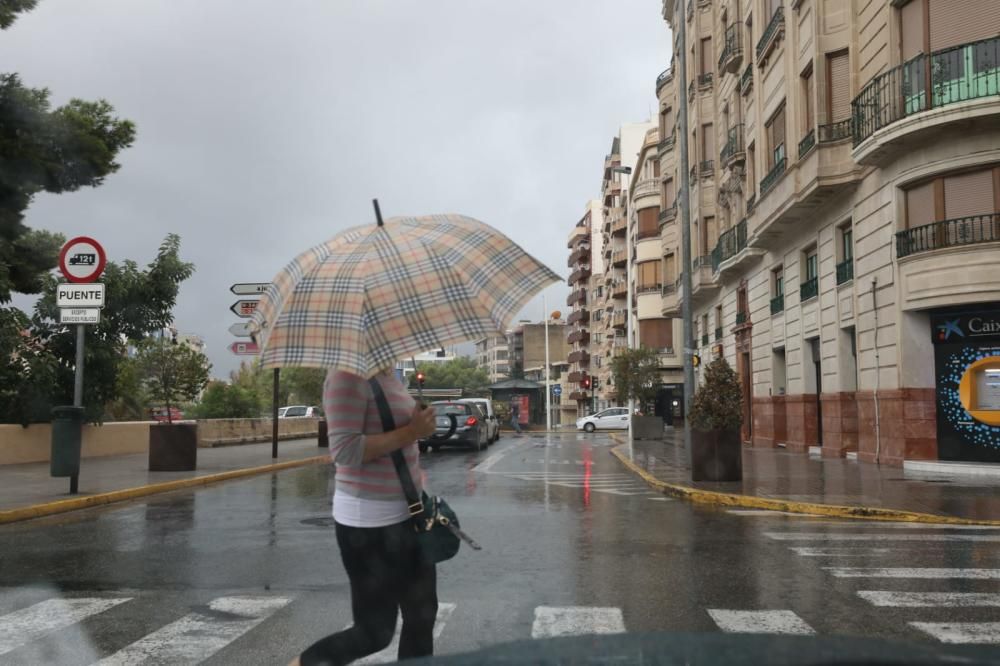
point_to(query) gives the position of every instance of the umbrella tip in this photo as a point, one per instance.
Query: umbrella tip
(378, 212)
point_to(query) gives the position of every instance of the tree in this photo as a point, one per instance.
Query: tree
(171, 373)
(455, 373)
(27, 370)
(9, 9)
(227, 401)
(718, 402)
(636, 375)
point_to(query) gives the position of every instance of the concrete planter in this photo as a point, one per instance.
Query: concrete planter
(173, 447)
(647, 427)
(716, 455)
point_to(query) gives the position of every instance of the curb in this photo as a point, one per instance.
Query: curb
(114, 496)
(698, 496)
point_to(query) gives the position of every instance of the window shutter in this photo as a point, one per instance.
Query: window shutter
(955, 22)
(920, 205)
(840, 87)
(706, 56)
(968, 194)
(708, 141)
(649, 222)
(668, 123)
(656, 333)
(912, 24)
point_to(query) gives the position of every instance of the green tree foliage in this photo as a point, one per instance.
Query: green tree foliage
(27, 370)
(304, 385)
(227, 401)
(132, 403)
(171, 373)
(636, 376)
(460, 373)
(718, 402)
(9, 9)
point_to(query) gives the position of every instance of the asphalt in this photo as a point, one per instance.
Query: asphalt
(562, 525)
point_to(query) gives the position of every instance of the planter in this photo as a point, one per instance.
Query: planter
(716, 455)
(173, 447)
(647, 427)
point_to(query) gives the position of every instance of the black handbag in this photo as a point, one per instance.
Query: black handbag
(438, 530)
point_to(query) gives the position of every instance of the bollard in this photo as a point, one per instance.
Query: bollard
(322, 440)
(67, 432)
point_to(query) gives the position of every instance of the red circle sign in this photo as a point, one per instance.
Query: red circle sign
(82, 260)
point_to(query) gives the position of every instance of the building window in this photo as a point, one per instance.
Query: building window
(810, 285)
(707, 59)
(707, 142)
(669, 195)
(649, 224)
(666, 123)
(656, 333)
(777, 290)
(808, 93)
(845, 250)
(775, 130)
(649, 275)
(670, 268)
(718, 322)
(838, 82)
(811, 264)
(751, 185)
(953, 196)
(709, 234)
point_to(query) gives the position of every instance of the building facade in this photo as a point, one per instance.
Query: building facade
(586, 282)
(492, 357)
(845, 192)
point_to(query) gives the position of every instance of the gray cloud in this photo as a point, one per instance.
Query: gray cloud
(263, 132)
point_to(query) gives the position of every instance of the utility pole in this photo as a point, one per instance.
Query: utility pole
(684, 203)
(548, 389)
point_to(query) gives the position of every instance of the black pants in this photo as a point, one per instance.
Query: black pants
(386, 574)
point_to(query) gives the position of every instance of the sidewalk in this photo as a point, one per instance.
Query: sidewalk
(30, 485)
(774, 476)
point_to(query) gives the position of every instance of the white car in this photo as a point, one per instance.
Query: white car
(299, 411)
(615, 418)
(492, 423)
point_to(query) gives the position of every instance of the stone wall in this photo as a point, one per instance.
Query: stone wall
(229, 432)
(33, 444)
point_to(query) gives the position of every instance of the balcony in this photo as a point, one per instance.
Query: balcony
(646, 187)
(706, 168)
(705, 80)
(578, 356)
(718, 333)
(580, 335)
(619, 258)
(731, 251)
(578, 296)
(807, 143)
(574, 377)
(649, 289)
(742, 317)
(618, 320)
(580, 255)
(733, 153)
(922, 90)
(664, 78)
(619, 289)
(773, 33)
(809, 289)
(751, 202)
(611, 190)
(948, 233)
(691, 92)
(732, 53)
(578, 235)
(671, 305)
(579, 275)
(619, 227)
(581, 316)
(836, 131)
(746, 81)
(845, 271)
(668, 214)
(667, 144)
(778, 304)
(704, 339)
(703, 286)
(776, 172)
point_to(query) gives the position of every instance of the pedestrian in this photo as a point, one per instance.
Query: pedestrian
(375, 534)
(515, 416)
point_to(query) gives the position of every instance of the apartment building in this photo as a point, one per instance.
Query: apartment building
(845, 191)
(492, 357)
(586, 282)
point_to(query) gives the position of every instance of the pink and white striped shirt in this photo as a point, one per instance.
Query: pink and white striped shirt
(368, 494)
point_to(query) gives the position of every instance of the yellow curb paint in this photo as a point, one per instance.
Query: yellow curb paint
(809, 508)
(100, 499)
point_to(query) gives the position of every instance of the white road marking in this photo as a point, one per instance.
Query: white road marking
(839, 552)
(924, 573)
(197, 636)
(625, 493)
(662, 499)
(850, 536)
(388, 655)
(28, 624)
(961, 632)
(576, 621)
(760, 622)
(929, 599)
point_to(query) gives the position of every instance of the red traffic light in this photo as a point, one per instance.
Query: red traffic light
(420, 378)
(585, 382)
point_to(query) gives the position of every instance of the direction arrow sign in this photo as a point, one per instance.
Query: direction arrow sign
(244, 348)
(240, 330)
(557, 390)
(249, 288)
(243, 309)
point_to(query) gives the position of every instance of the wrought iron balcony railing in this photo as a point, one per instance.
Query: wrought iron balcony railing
(948, 233)
(772, 177)
(809, 289)
(734, 144)
(835, 131)
(845, 271)
(777, 304)
(746, 81)
(771, 32)
(807, 143)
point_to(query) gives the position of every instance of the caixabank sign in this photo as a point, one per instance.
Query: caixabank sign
(967, 366)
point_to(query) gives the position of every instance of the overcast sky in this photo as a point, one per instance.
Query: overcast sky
(265, 128)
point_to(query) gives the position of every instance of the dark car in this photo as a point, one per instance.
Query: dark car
(458, 424)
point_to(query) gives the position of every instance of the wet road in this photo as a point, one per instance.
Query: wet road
(247, 572)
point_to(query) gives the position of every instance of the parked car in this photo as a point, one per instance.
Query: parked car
(614, 418)
(458, 424)
(300, 412)
(160, 414)
(493, 423)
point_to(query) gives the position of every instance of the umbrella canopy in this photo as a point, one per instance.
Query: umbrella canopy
(375, 294)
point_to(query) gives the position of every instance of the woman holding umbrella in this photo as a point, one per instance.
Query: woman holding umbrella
(355, 305)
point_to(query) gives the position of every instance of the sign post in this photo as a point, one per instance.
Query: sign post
(81, 261)
(244, 309)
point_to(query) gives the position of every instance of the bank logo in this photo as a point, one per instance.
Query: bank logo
(946, 329)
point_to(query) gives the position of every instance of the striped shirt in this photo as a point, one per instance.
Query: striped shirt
(352, 414)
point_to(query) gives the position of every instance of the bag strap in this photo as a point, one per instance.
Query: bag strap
(413, 500)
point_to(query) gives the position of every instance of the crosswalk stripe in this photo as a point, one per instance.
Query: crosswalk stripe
(903, 572)
(388, 655)
(806, 551)
(760, 622)
(198, 635)
(929, 599)
(850, 536)
(28, 624)
(576, 621)
(961, 632)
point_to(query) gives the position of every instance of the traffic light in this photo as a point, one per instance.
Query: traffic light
(585, 383)
(695, 361)
(420, 379)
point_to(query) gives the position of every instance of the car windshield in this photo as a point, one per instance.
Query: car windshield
(677, 320)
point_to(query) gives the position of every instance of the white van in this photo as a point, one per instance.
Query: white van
(492, 423)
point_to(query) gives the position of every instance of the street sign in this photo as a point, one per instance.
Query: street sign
(557, 390)
(244, 348)
(88, 295)
(249, 288)
(240, 330)
(244, 309)
(80, 316)
(82, 260)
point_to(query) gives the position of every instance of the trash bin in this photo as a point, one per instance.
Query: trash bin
(322, 440)
(67, 428)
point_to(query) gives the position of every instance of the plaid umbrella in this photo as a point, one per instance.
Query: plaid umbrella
(375, 294)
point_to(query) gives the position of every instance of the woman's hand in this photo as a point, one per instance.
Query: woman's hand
(422, 421)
